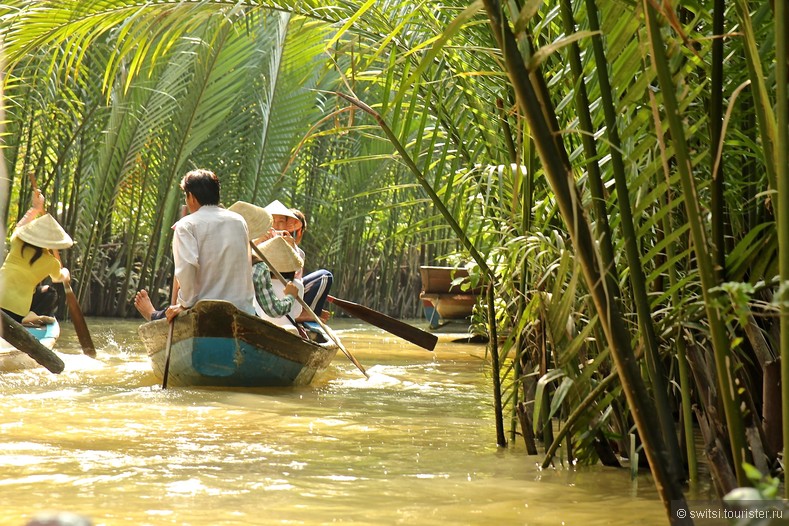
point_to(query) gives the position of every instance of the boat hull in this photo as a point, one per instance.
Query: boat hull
(215, 344)
(12, 359)
(451, 306)
(449, 300)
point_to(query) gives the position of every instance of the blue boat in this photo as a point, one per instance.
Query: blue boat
(12, 359)
(215, 344)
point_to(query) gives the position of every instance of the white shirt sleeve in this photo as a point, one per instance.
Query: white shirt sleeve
(185, 254)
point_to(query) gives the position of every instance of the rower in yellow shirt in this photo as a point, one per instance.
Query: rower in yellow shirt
(32, 257)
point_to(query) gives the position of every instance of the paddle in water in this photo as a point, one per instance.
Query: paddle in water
(382, 321)
(167, 350)
(80, 326)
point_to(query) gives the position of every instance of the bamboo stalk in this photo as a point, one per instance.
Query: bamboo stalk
(717, 203)
(501, 440)
(648, 336)
(596, 186)
(526, 199)
(782, 176)
(762, 107)
(687, 410)
(723, 357)
(683, 365)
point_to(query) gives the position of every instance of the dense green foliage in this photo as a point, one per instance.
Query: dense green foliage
(611, 170)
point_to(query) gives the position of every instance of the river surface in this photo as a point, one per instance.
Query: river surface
(414, 444)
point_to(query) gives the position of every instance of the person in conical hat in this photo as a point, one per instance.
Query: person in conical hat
(31, 259)
(282, 256)
(277, 301)
(285, 223)
(276, 208)
(317, 284)
(259, 220)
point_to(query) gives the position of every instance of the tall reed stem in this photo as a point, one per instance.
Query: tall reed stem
(648, 336)
(723, 358)
(782, 173)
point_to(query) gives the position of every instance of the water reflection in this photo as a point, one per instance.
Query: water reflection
(414, 444)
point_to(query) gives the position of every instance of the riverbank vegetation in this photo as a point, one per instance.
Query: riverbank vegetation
(612, 172)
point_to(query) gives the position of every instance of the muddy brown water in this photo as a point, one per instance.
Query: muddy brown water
(414, 444)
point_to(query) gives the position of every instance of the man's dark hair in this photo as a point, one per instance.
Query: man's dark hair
(203, 184)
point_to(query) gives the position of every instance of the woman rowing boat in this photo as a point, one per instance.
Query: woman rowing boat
(31, 258)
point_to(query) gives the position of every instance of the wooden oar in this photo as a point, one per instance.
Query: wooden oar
(79, 321)
(167, 349)
(83, 334)
(382, 321)
(306, 307)
(74, 310)
(173, 299)
(15, 334)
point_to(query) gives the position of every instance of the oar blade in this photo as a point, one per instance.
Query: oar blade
(382, 321)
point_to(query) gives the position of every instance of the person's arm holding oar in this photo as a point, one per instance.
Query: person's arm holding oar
(268, 300)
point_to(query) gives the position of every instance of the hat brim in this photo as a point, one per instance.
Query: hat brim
(44, 232)
(258, 219)
(281, 255)
(276, 208)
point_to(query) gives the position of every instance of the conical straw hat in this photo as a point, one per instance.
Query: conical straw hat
(258, 219)
(276, 208)
(44, 232)
(281, 255)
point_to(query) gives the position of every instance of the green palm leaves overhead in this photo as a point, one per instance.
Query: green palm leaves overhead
(616, 141)
(168, 77)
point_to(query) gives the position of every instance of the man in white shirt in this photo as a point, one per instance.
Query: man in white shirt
(210, 251)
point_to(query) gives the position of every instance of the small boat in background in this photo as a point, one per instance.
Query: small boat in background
(12, 359)
(441, 299)
(215, 344)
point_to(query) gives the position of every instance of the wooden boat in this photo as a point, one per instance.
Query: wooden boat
(12, 359)
(215, 344)
(450, 301)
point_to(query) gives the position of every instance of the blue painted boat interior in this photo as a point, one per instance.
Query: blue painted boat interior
(47, 331)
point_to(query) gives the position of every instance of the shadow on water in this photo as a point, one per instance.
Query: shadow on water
(414, 444)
